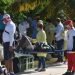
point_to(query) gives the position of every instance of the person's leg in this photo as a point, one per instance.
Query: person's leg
(8, 57)
(6, 54)
(70, 64)
(60, 47)
(11, 65)
(70, 61)
(73, 60)
(7, 65)
(43, 64)
(39, 64)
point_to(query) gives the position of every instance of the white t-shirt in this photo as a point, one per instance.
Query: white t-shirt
(71, 33)
(8, 34)
(59, 31)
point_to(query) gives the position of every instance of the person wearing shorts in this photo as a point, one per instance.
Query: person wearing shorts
(8, 39)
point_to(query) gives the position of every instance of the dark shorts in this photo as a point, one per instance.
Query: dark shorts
(7, 54)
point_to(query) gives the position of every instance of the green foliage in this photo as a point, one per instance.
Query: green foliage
(18, 17)
(46, 8)
(5, 3)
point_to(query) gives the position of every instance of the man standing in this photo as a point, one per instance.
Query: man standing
(8, 39)
(59, 38)
(70, 47)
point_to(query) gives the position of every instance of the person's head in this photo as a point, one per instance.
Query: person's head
(6, 18)
(68, 24)
(40, 24)
(58, 20)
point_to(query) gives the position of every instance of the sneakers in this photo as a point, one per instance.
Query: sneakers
(40, 70)
(37, 69)
(43, 69)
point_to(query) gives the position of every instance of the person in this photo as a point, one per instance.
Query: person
(2, 26)
(49, 28)
(65, 42)
(23, 27)
(41, 38)
(59, 38)
(34, 26)
(8, 39)
(70, 47)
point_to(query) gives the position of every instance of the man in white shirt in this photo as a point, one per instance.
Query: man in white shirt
(59, 38)
(8, 39)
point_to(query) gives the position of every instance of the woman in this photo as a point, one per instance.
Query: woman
(41, 38)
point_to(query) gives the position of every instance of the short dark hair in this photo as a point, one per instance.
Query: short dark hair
(58, 19)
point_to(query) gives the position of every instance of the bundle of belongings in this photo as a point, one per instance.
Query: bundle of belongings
(42, 47)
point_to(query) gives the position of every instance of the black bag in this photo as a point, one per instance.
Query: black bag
(42, 47)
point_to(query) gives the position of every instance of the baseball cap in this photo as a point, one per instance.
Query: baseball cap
(40, 22)
(69, 22)
(6, 16)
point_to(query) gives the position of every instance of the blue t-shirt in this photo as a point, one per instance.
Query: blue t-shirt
(2, 26)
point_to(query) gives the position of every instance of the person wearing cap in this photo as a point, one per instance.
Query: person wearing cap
(70, 48)
(41, 38)
(8, 39)
(59, 30)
